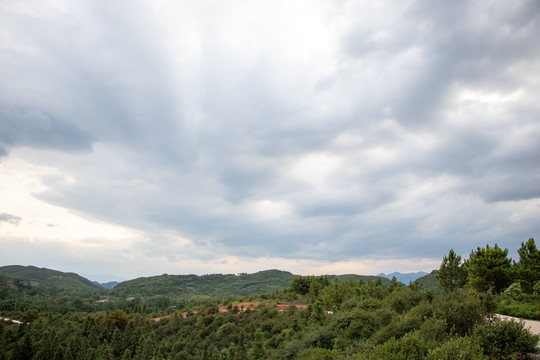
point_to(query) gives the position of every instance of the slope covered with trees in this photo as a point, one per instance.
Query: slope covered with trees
(215, 285)
(344, 320)
(51, 279)
(338, 319)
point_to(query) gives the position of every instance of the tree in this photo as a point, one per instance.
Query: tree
(257, 351)
(116, 319)
(528, 268)
(451, 274)
(30, 315)
(301, 284)
(489, 268)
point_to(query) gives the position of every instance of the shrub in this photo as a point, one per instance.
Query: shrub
(528, 308)
(536, 289)
(316, 354)
(514, 291)
(410, 347)
(500, 339)
(462, 311)
(457, 348)
(363, 324)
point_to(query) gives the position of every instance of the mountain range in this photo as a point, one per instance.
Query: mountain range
(174, 286)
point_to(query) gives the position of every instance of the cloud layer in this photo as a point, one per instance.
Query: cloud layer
(320, 131)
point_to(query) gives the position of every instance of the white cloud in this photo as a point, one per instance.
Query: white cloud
(40, 220)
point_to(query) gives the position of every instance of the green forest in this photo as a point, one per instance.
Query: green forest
(449, 314)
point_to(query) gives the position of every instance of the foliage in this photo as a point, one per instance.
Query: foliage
(462, 311)
(451, 275)
(428, 281)
(334, 319)
(370, 320)
(30, 315)
(68, 283)
(528, 268)
(500, 339)
(525, 307)
(116, 319)
(457, 348)
(309, 284)
(489, 268)
(210, 286)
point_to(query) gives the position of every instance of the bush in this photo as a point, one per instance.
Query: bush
(500, 339)
(528, 308)
(536, 289)
(462, 311)
(514, 291)
(316, 354)
(363, 324)
(457, 348)
(410, 347)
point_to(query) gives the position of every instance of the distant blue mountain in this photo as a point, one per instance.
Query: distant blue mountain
(404, 278)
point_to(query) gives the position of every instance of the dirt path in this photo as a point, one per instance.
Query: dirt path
(532, 325)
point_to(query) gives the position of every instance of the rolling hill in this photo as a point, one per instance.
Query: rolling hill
(174, 286)
(52, 279)
(215, 285)
(428, 281)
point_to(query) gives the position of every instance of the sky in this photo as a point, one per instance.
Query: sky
(315, 136)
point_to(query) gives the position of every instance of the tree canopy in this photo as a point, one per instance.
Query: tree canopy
(528, 268)
(451, 274)
(489, 268)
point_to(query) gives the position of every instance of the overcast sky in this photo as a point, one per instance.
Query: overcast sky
(148, 137)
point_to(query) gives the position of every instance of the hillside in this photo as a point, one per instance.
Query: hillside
(52, 279)
(9, 287)
(215, 285)
(173, 286)
(428, 281)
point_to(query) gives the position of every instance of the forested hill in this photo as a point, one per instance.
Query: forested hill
(173, 286)
(215, 285)
(52, 279)
(428, 281)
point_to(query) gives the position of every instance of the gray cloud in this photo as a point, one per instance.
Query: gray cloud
(12, 219)
(416, 115)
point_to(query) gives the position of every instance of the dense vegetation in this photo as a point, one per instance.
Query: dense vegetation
(344, 319)
(490, 269)
(70, 283)
(209, 286)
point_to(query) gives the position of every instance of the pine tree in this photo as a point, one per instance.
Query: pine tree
(528, 268)
(257, 351)
(451, 274)
(489, 268)
(126, 355)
